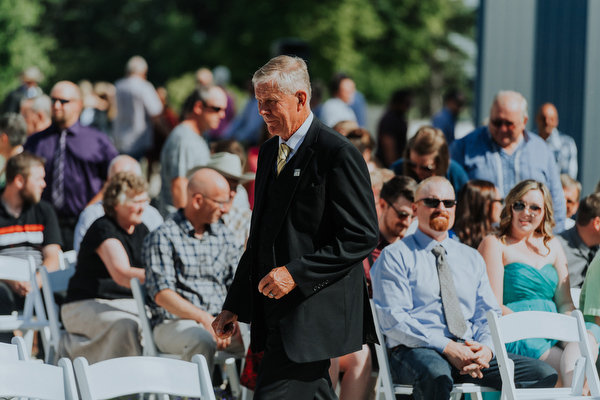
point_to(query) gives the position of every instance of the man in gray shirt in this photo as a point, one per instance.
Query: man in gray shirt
(185, 147)
(581, 241)
(138, 108)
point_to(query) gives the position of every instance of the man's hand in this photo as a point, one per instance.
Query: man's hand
(20, 287)
(462, 357)
(207, 320)
(483, 353)
(225, 324)
(277, 283)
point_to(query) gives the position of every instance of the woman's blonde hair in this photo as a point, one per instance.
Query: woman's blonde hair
(516, 194)
(117, 188)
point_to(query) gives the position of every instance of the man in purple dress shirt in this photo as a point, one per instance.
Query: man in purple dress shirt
(77, 158)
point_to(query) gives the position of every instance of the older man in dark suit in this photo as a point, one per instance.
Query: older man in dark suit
(300, 281)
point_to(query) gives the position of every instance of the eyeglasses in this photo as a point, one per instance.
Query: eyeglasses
(501, 201)
(433, 203)
(220, 203)
(215, 109)
(519, 206)
(62, 101)
(424, 168)
(499, 122)
(401, 214)
(138, 202)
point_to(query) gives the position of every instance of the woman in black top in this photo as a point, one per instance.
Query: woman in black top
(99, 313)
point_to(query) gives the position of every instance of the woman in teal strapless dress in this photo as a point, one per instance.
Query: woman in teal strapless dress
(527, 268)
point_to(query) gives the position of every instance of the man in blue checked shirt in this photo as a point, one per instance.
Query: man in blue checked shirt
(190, 262)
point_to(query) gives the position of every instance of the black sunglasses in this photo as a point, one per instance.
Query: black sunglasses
(401, 214)
(501, 201)
(433, 203)
(499, 122)
(215, 109)
(519, 206)
(62, 101)
(424, 168)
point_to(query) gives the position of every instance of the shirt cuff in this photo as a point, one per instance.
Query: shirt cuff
(439, 343)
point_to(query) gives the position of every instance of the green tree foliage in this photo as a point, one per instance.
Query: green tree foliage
(20, 45)
(383, 44)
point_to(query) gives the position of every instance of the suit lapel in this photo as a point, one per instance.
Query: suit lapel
(291, 174)
(264, 171)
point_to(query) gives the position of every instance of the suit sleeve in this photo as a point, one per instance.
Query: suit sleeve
(351, 210)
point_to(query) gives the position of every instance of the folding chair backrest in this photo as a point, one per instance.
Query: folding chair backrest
(22, 352)
(8, 352)
(37, 380)
(518, 326)
(537, 324)
(575, 294)
(132, 375)
(139, 295)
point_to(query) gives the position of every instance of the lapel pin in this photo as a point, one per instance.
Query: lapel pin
(296, 172)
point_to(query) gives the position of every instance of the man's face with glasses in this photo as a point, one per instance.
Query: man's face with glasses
(213, 108)
(507, 122)
(396, 216)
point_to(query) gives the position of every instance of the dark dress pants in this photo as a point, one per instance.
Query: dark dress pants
(432, 376)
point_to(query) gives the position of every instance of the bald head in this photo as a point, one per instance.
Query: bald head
(204, 77)
(66, 104)
(546, 119)
(124, 163)
(434, 217)
(208, 182)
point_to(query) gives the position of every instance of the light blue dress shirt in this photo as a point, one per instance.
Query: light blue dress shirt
(481, 158)
(406, 292)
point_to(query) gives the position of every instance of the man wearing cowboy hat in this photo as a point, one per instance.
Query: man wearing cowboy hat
(237, 217)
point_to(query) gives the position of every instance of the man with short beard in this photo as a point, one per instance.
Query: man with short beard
(28, 226)
(77, 158)
(432, 294)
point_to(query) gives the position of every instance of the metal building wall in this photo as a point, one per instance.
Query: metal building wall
(589, 150)
(548, 50)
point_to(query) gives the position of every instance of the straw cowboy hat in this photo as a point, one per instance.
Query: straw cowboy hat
(227, 164)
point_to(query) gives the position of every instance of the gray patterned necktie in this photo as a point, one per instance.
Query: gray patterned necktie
(284, 151)
(58, 173)
(454, 316)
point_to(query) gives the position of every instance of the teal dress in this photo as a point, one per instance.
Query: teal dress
(527, 288)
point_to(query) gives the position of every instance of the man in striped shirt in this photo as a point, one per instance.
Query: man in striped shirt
(28, 226)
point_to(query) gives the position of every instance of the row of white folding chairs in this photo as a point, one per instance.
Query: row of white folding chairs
(106, 379)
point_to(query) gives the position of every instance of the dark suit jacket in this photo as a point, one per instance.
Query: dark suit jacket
(320, 223)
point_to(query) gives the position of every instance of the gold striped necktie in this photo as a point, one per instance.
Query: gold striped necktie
(282, 155)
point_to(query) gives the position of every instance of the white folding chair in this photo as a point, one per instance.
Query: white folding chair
(385, 389)
(37, 380)
(134, 375)
(575, 294)
(33, 317)
(67, 259)
(226, 360)
(538, 324)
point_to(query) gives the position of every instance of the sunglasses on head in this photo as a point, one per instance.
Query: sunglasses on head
(424, 168)
(499, 122)
(62, 101)
(433, 203)
(519, 206)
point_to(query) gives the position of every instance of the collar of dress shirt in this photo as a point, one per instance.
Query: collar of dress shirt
(297, 137)
(428, 243)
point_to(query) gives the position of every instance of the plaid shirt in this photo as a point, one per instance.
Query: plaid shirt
(199, 270)
(565, 151)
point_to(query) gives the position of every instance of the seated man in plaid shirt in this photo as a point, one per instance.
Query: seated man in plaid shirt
(190, 262)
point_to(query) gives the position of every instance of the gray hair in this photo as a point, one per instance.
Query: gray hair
(15, 128)
(288, 74)
(41, 103)
(512, 95)
(136, 65)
